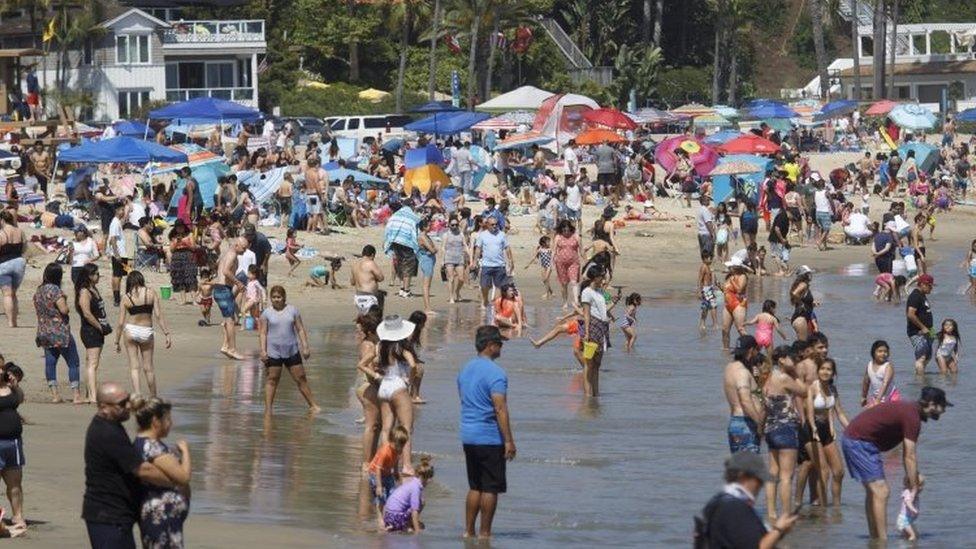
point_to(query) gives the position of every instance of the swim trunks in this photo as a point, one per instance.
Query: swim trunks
(922, 345)
(708, 299)
(364, 302)
(743, 434)
(864, 460)
(224, 297)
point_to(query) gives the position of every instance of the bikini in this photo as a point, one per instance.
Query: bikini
(139, 334)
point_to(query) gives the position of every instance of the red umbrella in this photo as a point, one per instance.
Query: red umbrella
(594, 137)
(749, 143)
(881, 107)
(701, 155)
(611, 118)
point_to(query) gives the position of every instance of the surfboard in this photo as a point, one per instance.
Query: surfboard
(887, 138)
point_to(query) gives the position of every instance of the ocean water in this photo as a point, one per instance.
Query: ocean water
(629, 469)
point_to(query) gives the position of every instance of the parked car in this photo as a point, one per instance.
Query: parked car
(307, 126)
(368, 127)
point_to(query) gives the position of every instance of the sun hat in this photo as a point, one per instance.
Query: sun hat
(394, 328)
(737, 262)
(748, 463)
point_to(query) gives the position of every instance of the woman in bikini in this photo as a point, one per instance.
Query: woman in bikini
(736, 283)
(804, 319)
(822, 407)
(139, 308)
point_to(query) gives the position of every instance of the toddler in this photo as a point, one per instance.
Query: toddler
(909, 509)
(383, 471)
(292, 246)
(543, 254)
(403, 507)
(629, 320)
(254, 294)
(706, 285)
(765, 323)
(205, 288)
(888, 286)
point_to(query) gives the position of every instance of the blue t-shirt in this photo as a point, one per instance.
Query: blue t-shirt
(478, 380)
(493, 248)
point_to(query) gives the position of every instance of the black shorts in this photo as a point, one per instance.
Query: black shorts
(486, 468)
(120, 267)
(406, 264)
(293, 360)
(91, 337)
(606, 179)
(284, 205)
(823, 431)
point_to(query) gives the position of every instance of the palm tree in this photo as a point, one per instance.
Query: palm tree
(646, 23)
(658, 18)
(894, 46)
(879, 50)
(404, 40)
(435, 31)
(817, 22)
(353, 45)
(504, 14)
(720, 8)
(856, 44)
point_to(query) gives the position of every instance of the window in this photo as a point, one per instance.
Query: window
(88, 53)
(398, 120)
(374, 122)
(353, 124)
(132, 49)
(131, 100)
(339, 124)
(220, 75)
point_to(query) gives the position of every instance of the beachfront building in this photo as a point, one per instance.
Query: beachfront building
(143, 52)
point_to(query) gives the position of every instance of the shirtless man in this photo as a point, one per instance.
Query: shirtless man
(365, 278)
(745, 408)
(814, 351)
(223, 293)
(40, 159)
(314, 191)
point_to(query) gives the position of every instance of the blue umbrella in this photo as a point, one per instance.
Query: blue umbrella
(760, 102)
(968, 115)
(341, 174)
(436, 106)
(131, 128)
(912, 117)
(391, 145)
(834, 109)
(926, 156)
(416, 158)
(121, 149)
(723, 136)
(772, 110)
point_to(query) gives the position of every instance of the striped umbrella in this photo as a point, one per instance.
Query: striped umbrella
(521, 140)
(497, 123)
(713, 120)
(693, 109)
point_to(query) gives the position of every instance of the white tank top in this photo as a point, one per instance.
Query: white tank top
(876, 377)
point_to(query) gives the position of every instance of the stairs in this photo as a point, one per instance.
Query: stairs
(580, 67)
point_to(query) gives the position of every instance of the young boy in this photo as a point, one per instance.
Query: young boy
(706, 285)
(383, 471)
(205, 300)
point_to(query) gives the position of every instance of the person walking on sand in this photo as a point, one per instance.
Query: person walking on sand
(54, 333)
(486, 432)
(12, 445)
(113, 470)
(140, 308)
(921, 331)
(365, 277)
(284, 343)
(568, 252)
(734, 289)
(94, 323)
(742, 394)
(223, 294)
(12, 263)
(879, 429)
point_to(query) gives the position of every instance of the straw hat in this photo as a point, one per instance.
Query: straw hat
(394, 328)
(737, 262)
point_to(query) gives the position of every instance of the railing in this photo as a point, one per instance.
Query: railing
(241, 95)
(565, 44)
(599, 75)
(204, 32)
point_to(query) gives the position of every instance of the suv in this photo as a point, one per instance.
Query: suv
(367, 127)
(307, 126)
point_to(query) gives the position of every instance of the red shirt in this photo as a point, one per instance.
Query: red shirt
(384, 461)
(887, 424)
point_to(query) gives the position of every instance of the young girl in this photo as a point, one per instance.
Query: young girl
(888, 286)
(629, 320)
(909, 509)
(254, 294)
(292, 246)
(877, 386)
(403, 507)
(947, 355)
(383, 470)
(543, 253)
(205, 288)
(567, 324)
(970, 264)
(706, 290)
(723, 229)
(765, 323)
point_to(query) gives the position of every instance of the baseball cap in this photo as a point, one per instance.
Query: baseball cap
(935, 396)
(748, 463)
(488, 334)
(927, 279)
(745, 343)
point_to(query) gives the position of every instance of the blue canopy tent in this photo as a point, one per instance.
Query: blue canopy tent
(436, 106)
(968, 115)
(121, 149)
(207, 109)
(206, 176)
(130, 128)
(722, 185)
(926, 156)
(771, 110)
(415, 158)
(447, 123)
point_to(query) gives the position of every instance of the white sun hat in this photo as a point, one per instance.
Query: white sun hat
(394, 328)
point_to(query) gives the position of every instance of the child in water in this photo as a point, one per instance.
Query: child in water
(543, 254)
(254, 294)
(383, 471)
(947, 354)
(877, 385)
(706, 288)
(909, 509)
(888, 286)
(765, 323)
(205, 287)
(403, 507)
(567, 324)
(629, 320)
(292, 246)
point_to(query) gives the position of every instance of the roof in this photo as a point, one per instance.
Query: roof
(183, 3)
(20, 52)
(933, 67)
(137, 11)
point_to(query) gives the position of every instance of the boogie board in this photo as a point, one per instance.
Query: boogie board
(887, 138)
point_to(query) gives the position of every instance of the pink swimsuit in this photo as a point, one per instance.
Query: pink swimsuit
(764, 334)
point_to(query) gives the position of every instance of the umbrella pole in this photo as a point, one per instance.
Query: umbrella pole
(145, 134)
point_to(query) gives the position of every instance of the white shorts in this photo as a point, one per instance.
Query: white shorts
(314, 205)
(364, 302)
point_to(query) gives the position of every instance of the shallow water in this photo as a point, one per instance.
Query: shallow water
(630, 470)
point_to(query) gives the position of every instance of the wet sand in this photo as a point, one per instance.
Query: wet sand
(242, 503)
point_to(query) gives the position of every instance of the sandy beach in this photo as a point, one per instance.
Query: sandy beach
(665, 261)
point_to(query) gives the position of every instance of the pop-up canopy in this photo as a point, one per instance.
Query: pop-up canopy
(207, 109)
(121, 149)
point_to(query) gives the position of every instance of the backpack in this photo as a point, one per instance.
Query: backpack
(701, 520)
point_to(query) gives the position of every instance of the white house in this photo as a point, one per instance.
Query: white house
(141, 57)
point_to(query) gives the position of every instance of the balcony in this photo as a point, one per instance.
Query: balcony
(215, 32)
(244, 96)
(924, 42)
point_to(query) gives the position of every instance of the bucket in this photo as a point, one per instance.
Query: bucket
(249, 323)
(589, 349)
(166, 292)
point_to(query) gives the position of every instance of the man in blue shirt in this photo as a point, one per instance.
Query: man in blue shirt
(486, 434)
(494, 256)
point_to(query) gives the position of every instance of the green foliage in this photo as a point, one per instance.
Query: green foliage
(142, 113)
(679, 85)
(801, 44)
(337, 100)
(635, 69)
(418, 70)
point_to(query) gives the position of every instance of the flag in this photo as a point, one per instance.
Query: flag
(452, 43)
(499, 40)
(263, 65)
(49, 31)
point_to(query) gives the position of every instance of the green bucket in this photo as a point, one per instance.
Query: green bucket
(166, 292)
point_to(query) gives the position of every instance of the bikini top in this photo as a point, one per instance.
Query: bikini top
(822, 403)
(144, 309)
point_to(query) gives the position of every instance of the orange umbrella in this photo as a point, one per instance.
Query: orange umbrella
(424, 178)
(593, 137)
(611, 118)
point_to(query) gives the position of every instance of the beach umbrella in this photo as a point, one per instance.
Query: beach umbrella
(834, 109)
(392, 144)
(430, 154)
(724, 186)
(723, 136)
(753, 103)
(926, 156)
(497, 123)
(522, 140)
(424, 178)
(736, 167)
(373, 95)
(881, 107)
(650, 115)
(693, 109)
(912, 116)
(712, 120)
(968, 115)
(726, 111)
(436, 106)
(593, 137)
(609, 117)
(749, 143)
(772, 110)
(702, 156)
(131, 128)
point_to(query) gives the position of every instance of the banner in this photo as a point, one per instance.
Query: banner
(455, 89)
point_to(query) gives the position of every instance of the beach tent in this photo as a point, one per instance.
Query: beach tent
(340, 174)
(528, 98)
(424, 177)
(447, 123)
(206, 176)
(926, 156)
(131, 128)
(968, 115)
(415, 158)
(207, 109)
(722, 188)
(121, 149)
(262, 185)
(561, 117)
